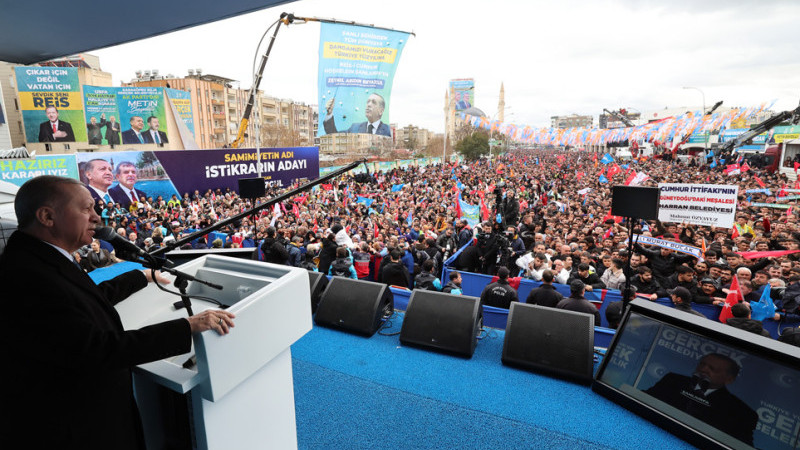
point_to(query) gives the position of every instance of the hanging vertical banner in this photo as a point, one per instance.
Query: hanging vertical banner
(181, 101)
(141, 110)
(463, 90)
(50, 100)
(356, 72)
(102, 115)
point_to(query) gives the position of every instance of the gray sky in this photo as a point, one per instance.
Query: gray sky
(555, 58)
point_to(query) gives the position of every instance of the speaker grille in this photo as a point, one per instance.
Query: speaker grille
(354, 305)
(551, 340)
(443, 322)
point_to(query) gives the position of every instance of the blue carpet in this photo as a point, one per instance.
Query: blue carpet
(356, 392)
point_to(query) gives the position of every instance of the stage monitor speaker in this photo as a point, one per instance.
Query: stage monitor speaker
(251, 187)
(552, 340)
(445, 322)
(318, 282)
(635, 201)
(354, 305)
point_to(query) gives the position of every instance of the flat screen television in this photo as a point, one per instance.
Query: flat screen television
(709, 383)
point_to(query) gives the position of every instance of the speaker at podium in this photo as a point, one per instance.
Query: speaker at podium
(213, 401)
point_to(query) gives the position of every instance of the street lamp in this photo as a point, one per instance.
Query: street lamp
(705, 143)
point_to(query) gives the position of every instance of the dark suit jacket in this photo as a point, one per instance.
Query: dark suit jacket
(129, 137)
(66, 378)
(544, 295)
(330, 128)
(723, 411)
(112, 133)
(46, 132)
(118, 195)
(148, 138)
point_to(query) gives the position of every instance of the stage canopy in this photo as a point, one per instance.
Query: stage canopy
(32, 32)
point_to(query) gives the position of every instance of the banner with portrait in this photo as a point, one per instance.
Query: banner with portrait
(356, 72)
(463, 92)
(51, 104)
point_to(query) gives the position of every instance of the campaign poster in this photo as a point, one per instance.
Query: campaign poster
(122, 176)
(182, 105)
(463, 91)
(201, 170)
(51, 104)
(356, 71)
(140, 109)
(707, 384)
(18, 171)
(698, 204)
(102, 114)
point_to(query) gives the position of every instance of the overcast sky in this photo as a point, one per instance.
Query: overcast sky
(555, 58)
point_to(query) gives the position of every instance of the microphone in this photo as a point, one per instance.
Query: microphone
(120, 244)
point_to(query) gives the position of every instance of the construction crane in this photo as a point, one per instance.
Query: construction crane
(286, 19)
(621, 116)
(755, 130)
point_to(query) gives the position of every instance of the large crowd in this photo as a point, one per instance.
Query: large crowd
(543, 215)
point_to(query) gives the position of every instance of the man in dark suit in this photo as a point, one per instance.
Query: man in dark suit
(67, 358)
(54, 130)
(373, 125)
(546, 294)
(153, 135)
(704, 396)
(112, 131)
(125, 193)
(134, 134)
(576, 301)
(98, 176)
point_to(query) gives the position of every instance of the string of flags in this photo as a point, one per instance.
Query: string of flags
(665, 130)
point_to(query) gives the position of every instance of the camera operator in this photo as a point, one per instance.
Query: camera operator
(488, 248)
(527, 231)
(510, 208)
(446, 242)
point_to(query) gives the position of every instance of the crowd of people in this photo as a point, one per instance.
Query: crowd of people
(543, 215)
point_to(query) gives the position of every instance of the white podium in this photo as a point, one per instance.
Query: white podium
(240, 394)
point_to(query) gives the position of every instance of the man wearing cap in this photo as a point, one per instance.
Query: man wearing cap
(682, 299)
(710, 293)
(576, 302)
(499, 294)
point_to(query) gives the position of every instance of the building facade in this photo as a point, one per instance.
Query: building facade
(571, 121)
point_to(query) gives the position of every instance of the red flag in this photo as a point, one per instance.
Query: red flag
(579, 175)
(767, 226)
(767, 254)
(760, 183)
(375, 230)
(797, 184)
(295, 210)
(327, 187)
(744, 167)
(796, 165)
(458, 207)
(608, 233)
(733, 298)
(630, 178)
(484, 211)
(735, 233)
(613, 170)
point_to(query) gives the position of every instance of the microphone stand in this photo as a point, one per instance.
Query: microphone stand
(182, 279)
(179, 242)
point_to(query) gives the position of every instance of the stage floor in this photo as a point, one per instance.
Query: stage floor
(356, 392)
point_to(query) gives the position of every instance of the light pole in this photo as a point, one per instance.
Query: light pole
(705, 142)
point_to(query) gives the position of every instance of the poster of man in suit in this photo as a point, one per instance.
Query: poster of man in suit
(51, 104)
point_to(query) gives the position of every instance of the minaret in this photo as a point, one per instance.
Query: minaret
(501, 105)
(446, 115)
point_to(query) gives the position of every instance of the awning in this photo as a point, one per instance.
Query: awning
(32, 32)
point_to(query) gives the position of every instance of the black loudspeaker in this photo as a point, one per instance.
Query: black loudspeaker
(635, 201)
(354, 305)
(445, 322)
(552, 340)
(318, 282)
(251, 187)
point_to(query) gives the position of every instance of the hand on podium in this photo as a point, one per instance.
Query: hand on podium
(218, 320)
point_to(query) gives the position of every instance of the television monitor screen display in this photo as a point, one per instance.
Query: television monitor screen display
(727, 387)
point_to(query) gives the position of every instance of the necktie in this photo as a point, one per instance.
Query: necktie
(107, 198)
(55, 128)
(139, 136)
(155, 137)
(370, 128)
(133, 197)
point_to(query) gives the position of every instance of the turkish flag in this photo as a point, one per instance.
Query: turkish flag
(760, 183)
(734, 297)
(613, 170)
